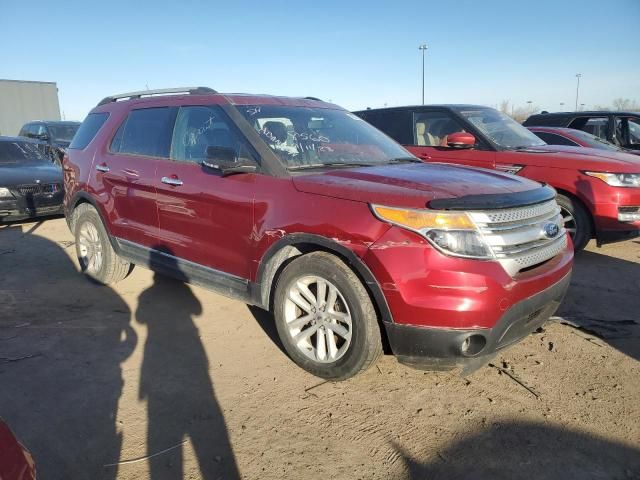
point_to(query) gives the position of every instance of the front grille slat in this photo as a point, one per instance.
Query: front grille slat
(517, 236)
(39, 189)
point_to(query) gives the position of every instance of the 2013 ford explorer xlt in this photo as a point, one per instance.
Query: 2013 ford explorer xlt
(302, 208)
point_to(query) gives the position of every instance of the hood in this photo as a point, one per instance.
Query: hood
(26, 173)
(410, 185)
(579, 158)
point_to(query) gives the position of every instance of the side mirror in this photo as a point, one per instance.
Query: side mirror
(226, 161)
(43, 136)
(461, 140)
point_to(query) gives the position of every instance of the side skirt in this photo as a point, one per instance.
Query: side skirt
(189, 272)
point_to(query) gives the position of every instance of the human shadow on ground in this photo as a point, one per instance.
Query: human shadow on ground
(63, 340)
(523, 450)
(604, 300)
(176, 384)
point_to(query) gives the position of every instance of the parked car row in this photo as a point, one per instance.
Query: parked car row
(442, 239)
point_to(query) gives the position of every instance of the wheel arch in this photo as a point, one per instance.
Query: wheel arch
(78, 199)
(277, 257)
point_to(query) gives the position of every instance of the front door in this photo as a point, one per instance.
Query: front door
(204, 217)
(430, 131)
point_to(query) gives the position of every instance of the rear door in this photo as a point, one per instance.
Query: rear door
(204, 217)
(126, 172)
(430, 132)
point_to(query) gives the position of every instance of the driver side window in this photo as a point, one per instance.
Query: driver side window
(199, 127)
(431, 129)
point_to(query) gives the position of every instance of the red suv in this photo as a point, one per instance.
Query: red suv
(598, 191)
(300, 207)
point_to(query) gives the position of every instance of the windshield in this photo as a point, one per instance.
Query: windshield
(63, 133)
(16, 152)
(314, 137)
(501, 129)
(592, 141)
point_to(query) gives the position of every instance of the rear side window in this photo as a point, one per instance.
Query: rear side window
(146, 131)
(88, 130)
(395, 123)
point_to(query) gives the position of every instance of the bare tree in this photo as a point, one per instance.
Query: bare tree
(504, 107)
(625, 104)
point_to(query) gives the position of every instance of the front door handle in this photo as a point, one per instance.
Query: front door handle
(176, 182)
(102, 167)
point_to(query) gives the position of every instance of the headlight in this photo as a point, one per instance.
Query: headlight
(4, 192)
(618, 179)
(451, 232)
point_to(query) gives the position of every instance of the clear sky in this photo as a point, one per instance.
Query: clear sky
(356, 53)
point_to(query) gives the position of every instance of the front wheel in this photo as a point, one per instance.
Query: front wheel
(325, 317)
(577, 221)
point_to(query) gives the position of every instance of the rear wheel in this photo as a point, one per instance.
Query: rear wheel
(95, 254)
(577, 221)
(325, 317)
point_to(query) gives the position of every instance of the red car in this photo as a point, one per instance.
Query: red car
(300, 207)
(598, 191)
(570, 137)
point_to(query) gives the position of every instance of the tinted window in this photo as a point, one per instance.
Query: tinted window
(21, 152)
(395, 123)
(200, 127)
(148, 132)
(431, 129)
(553, 139)
(63, 132)
(88, 130)
(598, 126)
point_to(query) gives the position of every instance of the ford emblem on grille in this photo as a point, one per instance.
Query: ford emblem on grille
(550, 230)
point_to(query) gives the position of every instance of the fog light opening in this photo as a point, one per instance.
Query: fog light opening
(473, 345)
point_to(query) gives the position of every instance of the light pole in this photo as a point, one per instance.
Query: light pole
(424, 48)
(578, 75)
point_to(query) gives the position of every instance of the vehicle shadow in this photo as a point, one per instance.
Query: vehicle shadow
(175, 382)
(62, 344)
(522, 450)
(604, 300)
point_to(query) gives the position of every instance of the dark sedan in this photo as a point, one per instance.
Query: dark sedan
(30, 185)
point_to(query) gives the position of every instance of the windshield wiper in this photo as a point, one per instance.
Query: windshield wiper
(330, 164)
(404, 160)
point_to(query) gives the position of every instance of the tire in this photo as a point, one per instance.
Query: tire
(343, 319)
(577, 221)
(96, 256)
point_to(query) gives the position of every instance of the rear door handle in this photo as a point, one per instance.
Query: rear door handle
(176, 182)
(102, 167)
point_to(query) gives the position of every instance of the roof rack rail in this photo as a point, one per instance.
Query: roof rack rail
(313, 98)
(159, 91)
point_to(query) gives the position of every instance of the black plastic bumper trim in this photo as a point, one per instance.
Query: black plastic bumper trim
(440, 348)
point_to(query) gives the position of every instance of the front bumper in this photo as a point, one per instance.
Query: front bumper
(21, 208)
(608, 204)
(441, 348)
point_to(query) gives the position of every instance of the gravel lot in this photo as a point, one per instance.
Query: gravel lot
(93, 380)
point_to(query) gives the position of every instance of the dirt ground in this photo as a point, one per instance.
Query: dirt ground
(94, 380)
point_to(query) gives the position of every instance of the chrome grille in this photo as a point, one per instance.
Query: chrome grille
(39, 188)
(517, 236)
